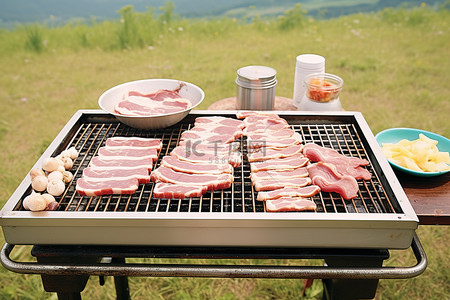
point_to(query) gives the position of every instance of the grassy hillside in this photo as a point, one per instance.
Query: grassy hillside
(394, 64)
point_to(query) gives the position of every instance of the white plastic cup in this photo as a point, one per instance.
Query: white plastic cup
(306, 64)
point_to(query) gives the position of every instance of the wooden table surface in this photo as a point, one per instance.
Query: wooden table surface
(429, 196)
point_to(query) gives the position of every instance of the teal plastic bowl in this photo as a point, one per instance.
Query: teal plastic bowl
(394, 135)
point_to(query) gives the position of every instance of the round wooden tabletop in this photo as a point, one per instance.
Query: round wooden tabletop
(281, 103)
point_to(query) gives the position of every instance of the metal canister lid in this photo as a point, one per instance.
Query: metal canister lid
(256, 77)
(310, 61)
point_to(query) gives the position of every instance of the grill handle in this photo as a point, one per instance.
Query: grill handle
(219, 271)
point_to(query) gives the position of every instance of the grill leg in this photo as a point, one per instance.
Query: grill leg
(348, 289)
(121, 282)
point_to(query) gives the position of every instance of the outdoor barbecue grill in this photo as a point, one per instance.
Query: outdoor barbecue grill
(381, 217)
(94, 235)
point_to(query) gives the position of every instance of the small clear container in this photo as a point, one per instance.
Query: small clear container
(322, 92)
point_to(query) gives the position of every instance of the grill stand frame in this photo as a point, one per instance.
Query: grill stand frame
(355, 272)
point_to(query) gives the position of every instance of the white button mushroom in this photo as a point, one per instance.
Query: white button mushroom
(67, 176)
(36, 172)
(56, 188)
(50, 164)
(39, 183)
(55, 176)
(73, 153)
(64, 154)
(51, 202)
(34, 202)
(68, 163)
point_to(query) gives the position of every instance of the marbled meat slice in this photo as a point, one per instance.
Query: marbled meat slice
(146, 106)
(114, 162)
(328, 179)
(212, 181)
(280, 175)
(242, 114)
(195, 168)
(277, 135)
(234, 158)
(129, 152)
(86, 187)
(327, 155)
(105, 174)
(200, 147)
(290, 204)
(205, 137)
(263, 153)
(288, 163)
(304, 192)
(133, 142)
(273, 184)
(178, 191)
(213, 120)
(220, 129)
(269, 142)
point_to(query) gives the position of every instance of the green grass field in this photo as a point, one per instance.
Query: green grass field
(394, 63)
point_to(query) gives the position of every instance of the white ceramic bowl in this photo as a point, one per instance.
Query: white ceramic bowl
(109, 99)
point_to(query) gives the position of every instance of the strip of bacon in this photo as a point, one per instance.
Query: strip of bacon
(277, 135)
(328, 179)
(104, 174)
(273, 184)
(129, 152)
(234, 158)
(195, 168)
(221, 130)
(269, 142)
(280, 175)
(206, 137)
(288, 163)
(212, 181)
(290, 204)
(178, 191)
(200, 147)
(242, 114)
(114, 162)
(304, 192)
(133, 142)
(86, 187)
(208, 121)
(264, 153)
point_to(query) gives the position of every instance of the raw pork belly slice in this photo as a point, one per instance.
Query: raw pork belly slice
(280, 175)
(234, 158)
(221, 130)
(263, 153)
(209, 148)
(133, 142)
(288, 163)
(130, 152)
(357, 173)
(206, 137)
(329, 180)
(208, 121)
(212, 181)
(101, 174)
(178, 191)
(195, 168)
(290, 204)
(277, 135)
(242, 114)
(86, 187)
(327, 155)
(143, 106)
(304, 192)
(114, 162)
(268, 142)
(273, 184)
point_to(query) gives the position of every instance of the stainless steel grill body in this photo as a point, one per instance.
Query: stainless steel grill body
(380, 217)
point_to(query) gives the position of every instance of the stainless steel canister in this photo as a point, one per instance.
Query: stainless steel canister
(256, 88)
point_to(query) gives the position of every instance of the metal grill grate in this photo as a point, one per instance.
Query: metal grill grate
(240, 197)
